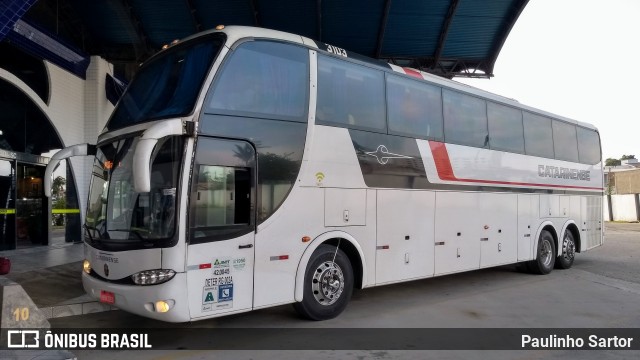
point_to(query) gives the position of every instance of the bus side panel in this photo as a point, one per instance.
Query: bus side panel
(527, 225)
(576, 214)
(279, 245)
(593, 213)
(457, 235)
(405, 235)
(499, 228)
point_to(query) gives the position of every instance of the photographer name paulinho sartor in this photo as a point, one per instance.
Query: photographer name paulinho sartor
(569, 342)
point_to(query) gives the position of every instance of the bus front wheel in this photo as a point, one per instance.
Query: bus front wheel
(328, 284)
(546, 255)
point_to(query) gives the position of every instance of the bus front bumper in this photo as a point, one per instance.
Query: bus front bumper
(141, 300)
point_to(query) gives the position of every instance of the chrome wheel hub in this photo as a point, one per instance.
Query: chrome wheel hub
(568, 248)
(546, 253)
(327, 283)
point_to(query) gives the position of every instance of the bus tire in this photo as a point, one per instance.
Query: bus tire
(328, 284)
(546, 255)
(565, 260)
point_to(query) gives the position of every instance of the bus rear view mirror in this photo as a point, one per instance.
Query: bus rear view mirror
(148, 141)
(75, 150)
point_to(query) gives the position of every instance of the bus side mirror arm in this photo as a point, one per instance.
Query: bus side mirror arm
(70, 151)
(148, 141)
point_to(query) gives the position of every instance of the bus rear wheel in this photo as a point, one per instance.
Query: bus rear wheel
(328, 284)
(546, 255)
(568, 251)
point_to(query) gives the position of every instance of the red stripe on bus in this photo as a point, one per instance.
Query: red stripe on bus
(445, 171)
(441, 158)
(413, 73)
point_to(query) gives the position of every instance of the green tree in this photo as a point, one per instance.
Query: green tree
(627, 157)
(57, 188)
(612, 162)
(60, 203)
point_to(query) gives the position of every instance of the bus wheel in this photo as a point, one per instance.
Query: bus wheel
(328, 284)
(568, 251)
(546, 255)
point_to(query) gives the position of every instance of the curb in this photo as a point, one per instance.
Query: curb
(85, 308)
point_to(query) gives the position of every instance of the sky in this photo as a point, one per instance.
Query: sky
(576, 58)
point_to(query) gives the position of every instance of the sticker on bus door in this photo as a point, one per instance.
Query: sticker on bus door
(217, 292)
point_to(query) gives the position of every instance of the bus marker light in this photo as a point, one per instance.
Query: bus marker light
(306, 239)
(204, 266)
(219, 27)
(383, 247)
(86, 266)
(162, 306)
(280, 257)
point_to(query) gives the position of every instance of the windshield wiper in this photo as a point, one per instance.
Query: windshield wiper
(88, 230)
(134, 232)
(146, 242)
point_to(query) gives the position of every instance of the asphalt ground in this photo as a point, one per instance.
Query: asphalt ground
(53, 285)
(601, 290)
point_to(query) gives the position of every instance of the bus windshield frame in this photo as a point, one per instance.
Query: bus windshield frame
(168, 85)
(118, 217)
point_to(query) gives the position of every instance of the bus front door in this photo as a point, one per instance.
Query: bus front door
(222, 227)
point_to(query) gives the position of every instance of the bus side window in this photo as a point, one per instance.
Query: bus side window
(588, 146)
(538, 137)
(565, 141)
(414, 108)
(263, 79)
(505, 128)
(350, 95)
(465, 119)
(221, 202)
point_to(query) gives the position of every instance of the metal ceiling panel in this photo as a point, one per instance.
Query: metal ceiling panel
(107, 20)
(223, 12)
(164, 20)
(294, 16)
(446, 37)
(413, 28)
(352, 25)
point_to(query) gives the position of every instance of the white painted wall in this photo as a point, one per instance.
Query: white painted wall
(78, 109)
(623, 207)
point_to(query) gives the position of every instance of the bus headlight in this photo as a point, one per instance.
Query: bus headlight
(153, 277)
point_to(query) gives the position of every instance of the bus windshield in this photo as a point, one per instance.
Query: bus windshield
(118, 216)
(168, 85)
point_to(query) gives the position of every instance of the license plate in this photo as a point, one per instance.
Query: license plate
(107, 297)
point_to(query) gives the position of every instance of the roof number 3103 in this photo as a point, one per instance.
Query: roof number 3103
(336, 50)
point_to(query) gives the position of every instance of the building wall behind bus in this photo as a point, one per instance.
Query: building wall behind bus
(624, 182)
(77, 108)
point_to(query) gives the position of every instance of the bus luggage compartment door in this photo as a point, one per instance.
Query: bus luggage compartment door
(457, 233)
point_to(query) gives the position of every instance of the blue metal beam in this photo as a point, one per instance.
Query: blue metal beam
(10, 12)
(40, 43)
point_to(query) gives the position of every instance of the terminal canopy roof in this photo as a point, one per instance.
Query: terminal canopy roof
(445, 37)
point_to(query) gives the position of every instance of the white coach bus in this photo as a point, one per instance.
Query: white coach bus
(245, 168)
